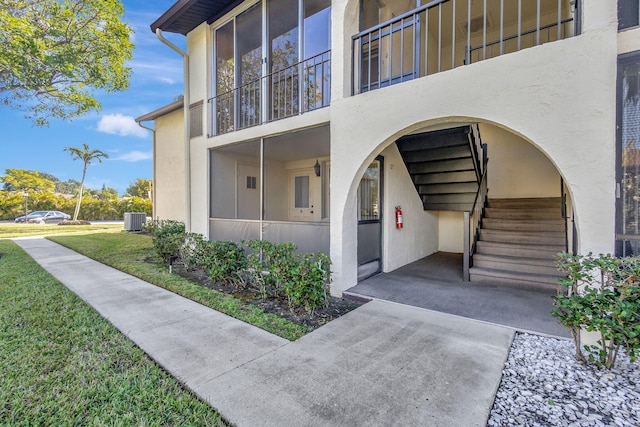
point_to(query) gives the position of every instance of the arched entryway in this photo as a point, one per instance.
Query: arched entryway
(525, 218)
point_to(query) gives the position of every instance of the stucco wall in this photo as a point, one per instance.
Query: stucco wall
(419, 237)
(169, 166)
(517, 168)
(451, 232)
(560, 97)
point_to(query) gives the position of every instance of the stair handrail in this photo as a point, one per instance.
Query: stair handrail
(565, 215)
(476, 147)
(473, 219)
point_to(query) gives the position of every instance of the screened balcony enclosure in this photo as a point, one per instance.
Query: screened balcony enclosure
(275, 189)
(262, 76)
(405, 40)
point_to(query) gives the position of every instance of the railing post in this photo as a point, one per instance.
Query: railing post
(467, 247)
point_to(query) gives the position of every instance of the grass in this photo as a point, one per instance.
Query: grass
(11, 230)
(134, 254)
(62, 364)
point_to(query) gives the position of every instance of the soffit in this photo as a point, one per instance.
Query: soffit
(185, 15)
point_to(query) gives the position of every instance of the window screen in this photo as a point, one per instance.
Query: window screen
(628, 194)
(628, 14)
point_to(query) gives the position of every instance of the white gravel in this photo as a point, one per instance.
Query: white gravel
(543, 385)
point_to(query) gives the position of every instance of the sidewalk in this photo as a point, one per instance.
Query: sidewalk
(381, 364)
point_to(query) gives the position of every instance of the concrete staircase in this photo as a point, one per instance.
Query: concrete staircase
(519, 240)
(442, 168)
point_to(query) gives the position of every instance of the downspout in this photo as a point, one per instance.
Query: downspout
(187, 136)
(153, 176)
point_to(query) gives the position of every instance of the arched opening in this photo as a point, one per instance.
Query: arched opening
(524, 217)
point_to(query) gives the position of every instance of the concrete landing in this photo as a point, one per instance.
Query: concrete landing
(381, 364)
(435, 283)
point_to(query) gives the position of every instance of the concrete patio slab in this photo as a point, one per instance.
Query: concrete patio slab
(435, 283)
(382, 364)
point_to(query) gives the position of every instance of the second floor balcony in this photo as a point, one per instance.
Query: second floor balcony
(297, 89)
(398, 45)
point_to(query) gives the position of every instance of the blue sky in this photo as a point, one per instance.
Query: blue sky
(156, 79)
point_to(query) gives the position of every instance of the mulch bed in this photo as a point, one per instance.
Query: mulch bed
(278, 306)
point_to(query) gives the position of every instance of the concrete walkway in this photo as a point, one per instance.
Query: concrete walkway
(382, 364)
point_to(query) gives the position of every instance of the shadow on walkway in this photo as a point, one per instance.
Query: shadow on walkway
(435, 283)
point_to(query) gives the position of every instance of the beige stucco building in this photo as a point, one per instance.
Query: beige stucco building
(504, 130)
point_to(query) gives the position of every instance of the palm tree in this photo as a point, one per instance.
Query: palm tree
(86, 154)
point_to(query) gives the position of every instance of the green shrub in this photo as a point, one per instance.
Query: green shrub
(222, 260)
(308, 283)
(278, 271)
(167, 236)
(192, 251)
(269, 266)
(603, 295)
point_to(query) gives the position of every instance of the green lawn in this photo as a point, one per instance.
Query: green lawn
(134, 254)
(11, 230)
(62, 364)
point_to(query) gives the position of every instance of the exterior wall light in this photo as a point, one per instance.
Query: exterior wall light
(316, 168)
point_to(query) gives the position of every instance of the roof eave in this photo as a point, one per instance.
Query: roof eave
(171, 15)
(169, 108)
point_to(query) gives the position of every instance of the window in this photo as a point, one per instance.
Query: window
(628, 158)
(369, 194)
(251, 182)
(225, 79)
(195, 124)
(628, 14)
(301, 192)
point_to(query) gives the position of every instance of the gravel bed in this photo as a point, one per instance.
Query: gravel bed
(543, 385)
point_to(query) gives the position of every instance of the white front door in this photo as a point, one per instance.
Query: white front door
(303, 192)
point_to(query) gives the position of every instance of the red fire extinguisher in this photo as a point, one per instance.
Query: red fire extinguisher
(399, 223)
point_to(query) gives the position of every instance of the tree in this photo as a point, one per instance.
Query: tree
(22, 179)
(87, 155)
(108, 193)
(54, 52)
(69, 186)
(140, 188)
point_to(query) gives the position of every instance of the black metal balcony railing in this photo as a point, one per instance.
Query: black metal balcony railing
(294, 90)
(445, 34)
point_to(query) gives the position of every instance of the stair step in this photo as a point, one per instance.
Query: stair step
(523, 224)
(448, 188)
(447, 206)
(445, 177)
(449, 198)
(540, 238)
(544, 213)
(527, 202)
(435, 154)
(441, 166)
(509, 278)
(435, 139)
(519, 250)
(516, 264)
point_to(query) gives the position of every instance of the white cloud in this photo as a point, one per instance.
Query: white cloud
(121, 125)
(134, 156)
(149, 67)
